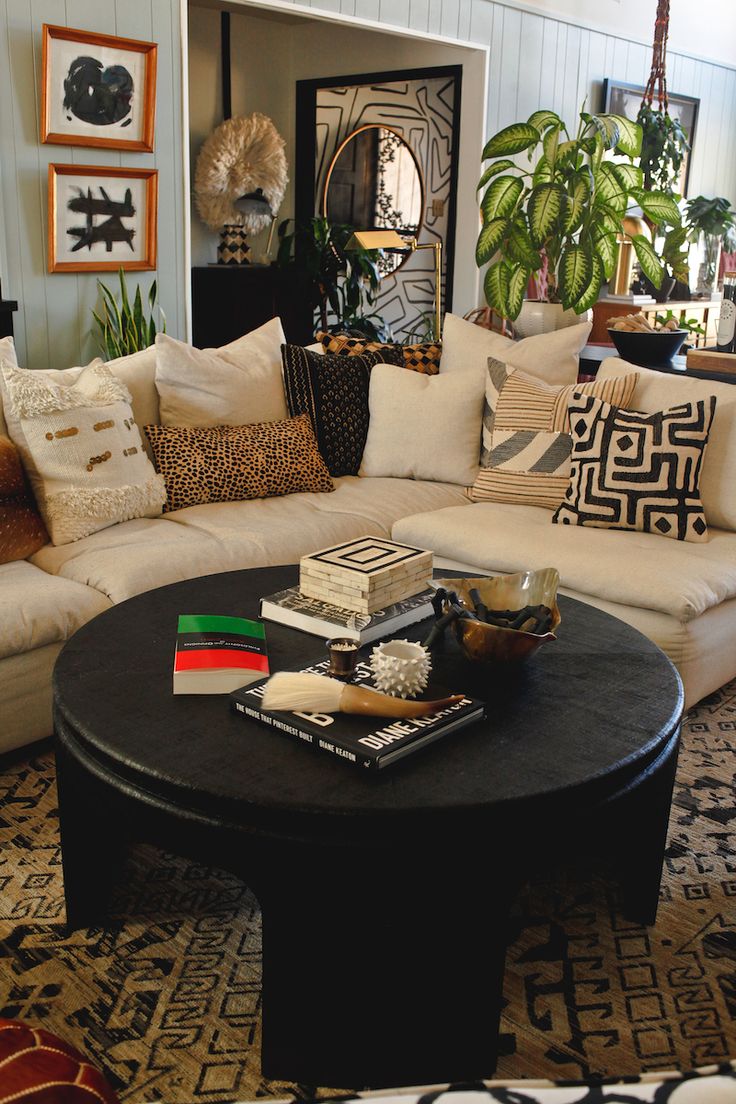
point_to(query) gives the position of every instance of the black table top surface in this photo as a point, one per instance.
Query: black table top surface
(587, 709)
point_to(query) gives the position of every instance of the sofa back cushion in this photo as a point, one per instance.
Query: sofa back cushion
(552, 357)
(237, 384)
(658, 390)
(423, 427)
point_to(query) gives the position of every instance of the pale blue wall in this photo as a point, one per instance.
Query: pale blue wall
(53, 325)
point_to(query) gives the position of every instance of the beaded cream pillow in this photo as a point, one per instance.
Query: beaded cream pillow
(81, 449)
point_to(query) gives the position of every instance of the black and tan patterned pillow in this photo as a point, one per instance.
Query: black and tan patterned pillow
(333, 391)
(526, 435)
(232, 463)
(637, 471)
(420, 357)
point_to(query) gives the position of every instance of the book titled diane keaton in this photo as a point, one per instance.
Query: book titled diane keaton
(370, 743)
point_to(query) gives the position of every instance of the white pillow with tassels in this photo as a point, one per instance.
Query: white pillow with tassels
(81, 448)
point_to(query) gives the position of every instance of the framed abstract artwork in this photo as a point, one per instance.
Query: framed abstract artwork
(625, 99)
(98, 90)
(101, 218)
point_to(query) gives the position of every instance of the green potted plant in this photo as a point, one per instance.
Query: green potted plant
(664, 144)
(338, 281)
(561, 217)
(125, 329)
(714, 220)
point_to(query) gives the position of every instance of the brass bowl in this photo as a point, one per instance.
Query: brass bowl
(484, 642)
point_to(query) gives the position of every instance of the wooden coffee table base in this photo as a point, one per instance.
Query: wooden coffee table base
(385, 902)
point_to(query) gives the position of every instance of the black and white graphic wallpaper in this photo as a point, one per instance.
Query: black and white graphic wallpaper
(422, 111)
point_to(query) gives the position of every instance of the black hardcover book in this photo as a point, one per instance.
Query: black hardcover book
(370, 743)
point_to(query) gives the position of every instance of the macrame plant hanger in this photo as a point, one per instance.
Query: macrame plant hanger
(658, 77)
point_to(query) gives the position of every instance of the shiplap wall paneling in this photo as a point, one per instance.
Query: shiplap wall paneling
(53, 326)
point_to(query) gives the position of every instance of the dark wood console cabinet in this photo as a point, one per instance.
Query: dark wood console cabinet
(231, 300)
(7, 306)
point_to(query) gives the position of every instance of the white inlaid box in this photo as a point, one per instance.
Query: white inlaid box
(365, 575)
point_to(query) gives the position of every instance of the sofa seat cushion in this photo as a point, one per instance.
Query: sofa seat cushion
(38, 609)
(137, 555)
(631, 568)
(285, 529)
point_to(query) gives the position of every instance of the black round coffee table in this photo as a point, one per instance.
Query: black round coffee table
(384, 897)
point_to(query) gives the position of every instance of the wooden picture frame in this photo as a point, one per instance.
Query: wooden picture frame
(624, 99)
(125, 199)
(79, 108)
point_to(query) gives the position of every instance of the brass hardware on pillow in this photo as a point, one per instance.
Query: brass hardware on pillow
(102, 425)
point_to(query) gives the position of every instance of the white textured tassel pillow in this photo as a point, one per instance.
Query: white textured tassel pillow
(81, 449)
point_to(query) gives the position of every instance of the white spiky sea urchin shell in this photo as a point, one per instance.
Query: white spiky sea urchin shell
(400, 668)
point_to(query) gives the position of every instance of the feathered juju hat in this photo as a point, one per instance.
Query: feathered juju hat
(240, 157)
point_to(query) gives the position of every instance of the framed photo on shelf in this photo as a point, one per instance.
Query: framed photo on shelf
(97, 90)
(625, 99)
(101, 218)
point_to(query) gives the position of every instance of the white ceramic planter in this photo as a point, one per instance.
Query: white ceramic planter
(537, 317)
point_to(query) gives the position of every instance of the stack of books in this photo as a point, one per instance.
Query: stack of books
(363, 590)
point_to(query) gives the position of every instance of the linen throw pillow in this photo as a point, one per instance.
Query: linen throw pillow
(637, 471)
(333, 391)
(552, 357)
(420, 357)
(237, 384)
(22, 531)
(233, 463)
(81, 449)
(526, 435)
(423, 427)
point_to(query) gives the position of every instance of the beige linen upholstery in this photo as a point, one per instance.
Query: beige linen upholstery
(237, 384)
(134, 556)
(637, 569)
(138, 555)
(25, 696)
(38, 609)
(552, 357)
(658, 391)
(423, 427)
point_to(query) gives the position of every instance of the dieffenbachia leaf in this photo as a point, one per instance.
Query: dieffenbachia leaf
(540, 120)
(518, 280)
(609, 190)
(573, 274)
(501, 197)
(489, 240)
(650, 263)
(593, 290)
(659, 207)
(496, 287)
(578, 197)
(512, 139)
(544, 209)
(520, 247)
(493, 170)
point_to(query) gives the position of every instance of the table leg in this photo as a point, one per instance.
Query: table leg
(643, 818)
(394, 980)
(91, 848)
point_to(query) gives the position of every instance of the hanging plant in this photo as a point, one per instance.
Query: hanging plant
(664, 142)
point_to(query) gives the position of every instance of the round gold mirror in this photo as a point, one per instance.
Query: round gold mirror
(374, 182)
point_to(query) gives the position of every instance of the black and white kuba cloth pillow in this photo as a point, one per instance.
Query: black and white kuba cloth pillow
(637, 471)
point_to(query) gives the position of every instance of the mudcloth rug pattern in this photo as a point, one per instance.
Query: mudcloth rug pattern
(166, 997)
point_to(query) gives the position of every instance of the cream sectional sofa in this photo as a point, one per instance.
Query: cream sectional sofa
(682, 596)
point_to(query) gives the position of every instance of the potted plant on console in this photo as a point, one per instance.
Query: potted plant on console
(559, 219)
(714, 220)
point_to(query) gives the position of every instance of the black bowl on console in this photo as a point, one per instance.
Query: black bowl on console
(648, 349)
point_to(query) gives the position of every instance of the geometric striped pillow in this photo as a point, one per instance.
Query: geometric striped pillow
(526, 435)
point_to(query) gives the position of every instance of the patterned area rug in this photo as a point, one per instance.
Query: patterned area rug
(166, 997)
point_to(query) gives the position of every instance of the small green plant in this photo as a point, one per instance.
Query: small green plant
(692, 325)
(341, 281)
(563, 215)
(125, 329)
(712, 217)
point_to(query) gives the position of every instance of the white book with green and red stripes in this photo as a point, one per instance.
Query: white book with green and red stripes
(217, 654)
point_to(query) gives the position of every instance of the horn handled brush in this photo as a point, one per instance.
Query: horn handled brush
(306, 693)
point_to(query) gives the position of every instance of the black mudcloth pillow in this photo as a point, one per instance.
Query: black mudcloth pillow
(333, 391)
(637, 471)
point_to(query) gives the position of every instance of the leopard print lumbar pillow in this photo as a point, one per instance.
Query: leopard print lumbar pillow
(226, 463)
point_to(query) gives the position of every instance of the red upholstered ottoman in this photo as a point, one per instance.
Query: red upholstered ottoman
(37, 1067)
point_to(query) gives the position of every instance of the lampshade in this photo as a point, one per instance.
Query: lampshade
(378, 239)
